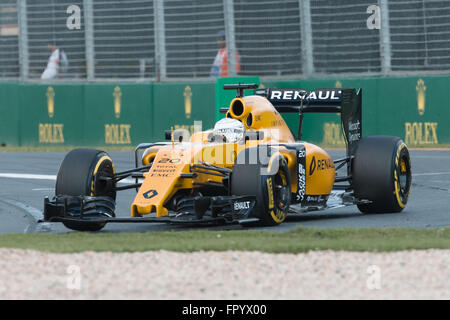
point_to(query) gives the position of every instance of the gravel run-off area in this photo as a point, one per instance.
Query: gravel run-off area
(421, 274)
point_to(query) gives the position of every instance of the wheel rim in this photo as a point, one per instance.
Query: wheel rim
(404, 178)
(282, 190)
(101, 186)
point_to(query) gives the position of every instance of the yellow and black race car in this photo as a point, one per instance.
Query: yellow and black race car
(249, 169)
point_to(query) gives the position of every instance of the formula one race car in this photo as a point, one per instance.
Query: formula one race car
(250, 169)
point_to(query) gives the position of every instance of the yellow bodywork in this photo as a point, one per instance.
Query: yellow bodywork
(170, 161)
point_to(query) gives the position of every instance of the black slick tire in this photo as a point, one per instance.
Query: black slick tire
(79, 175)
(266, 175)
(382, 174)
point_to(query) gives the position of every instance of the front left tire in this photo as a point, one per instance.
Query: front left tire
(80, 175)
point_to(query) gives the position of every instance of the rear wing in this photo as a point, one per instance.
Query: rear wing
(347, 102)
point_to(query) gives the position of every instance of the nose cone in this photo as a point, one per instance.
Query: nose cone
(160, 182)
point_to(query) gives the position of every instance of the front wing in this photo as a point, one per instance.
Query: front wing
(202, 210)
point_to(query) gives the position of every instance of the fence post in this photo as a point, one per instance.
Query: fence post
(89, 38)
(228, 12)
(24, 61)
(306, 32)
(385, 37)
(160, 40)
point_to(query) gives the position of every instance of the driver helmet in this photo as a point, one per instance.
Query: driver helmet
(231, 129)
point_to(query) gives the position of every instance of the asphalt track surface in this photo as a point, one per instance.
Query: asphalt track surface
(26, 177)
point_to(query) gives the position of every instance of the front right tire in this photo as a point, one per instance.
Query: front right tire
(264, 174)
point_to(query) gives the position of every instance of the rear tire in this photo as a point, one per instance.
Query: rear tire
(268, 180)
(382, 174)
(78, 176)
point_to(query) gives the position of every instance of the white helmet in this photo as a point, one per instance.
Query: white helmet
(233, 130)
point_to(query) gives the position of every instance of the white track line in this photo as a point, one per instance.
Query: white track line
(36, 214)
(33, 212)
(28, 176)
(53, 177)
(43, 177)
(430, 174)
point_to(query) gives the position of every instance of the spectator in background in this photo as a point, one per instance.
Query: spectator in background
(57, 63)
(220, 64)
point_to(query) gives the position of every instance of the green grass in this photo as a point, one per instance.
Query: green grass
(295, 241)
